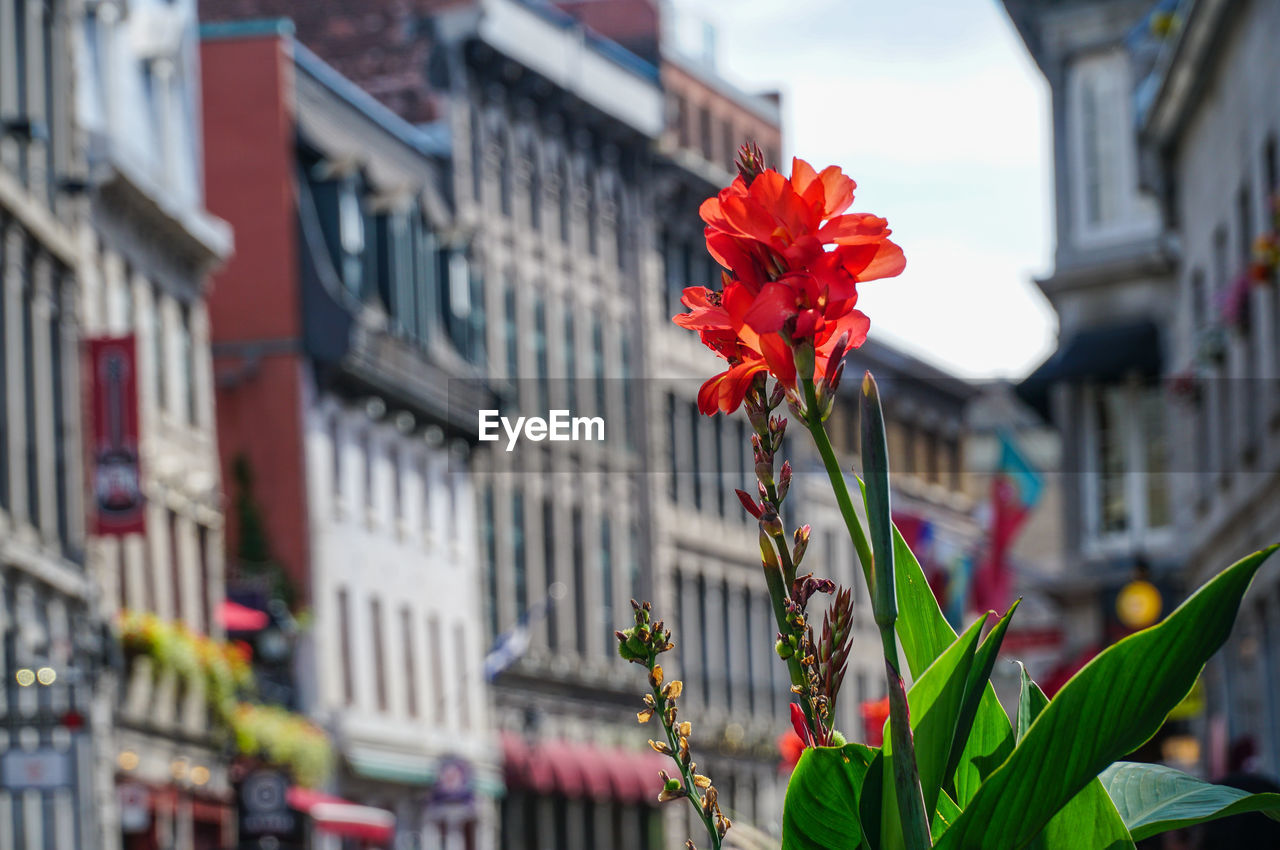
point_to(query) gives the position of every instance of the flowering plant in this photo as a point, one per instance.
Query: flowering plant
(269, 732)
(953, 771)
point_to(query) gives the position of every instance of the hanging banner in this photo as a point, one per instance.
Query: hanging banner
(119, 507)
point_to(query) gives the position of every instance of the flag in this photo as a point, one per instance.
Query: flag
(512, 644)
(1015, 491)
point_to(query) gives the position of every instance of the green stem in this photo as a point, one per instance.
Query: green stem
(819, 432)
(915, 822)
(673, 741)
(778, 596)
(780, 541)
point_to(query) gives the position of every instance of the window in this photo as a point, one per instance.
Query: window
(344, 648)
(186, 357)
(593, 220)
(351, 237)
(410, 668)
(435, 673)
(519, 564)
(159, 359)
(477, 157)
(56, 367)
(633, 561)
(490, 551)
(682, 121)
(505, 176)
(579, 579)
(730, 143)
(395, 459)
(464, 676)
(335, 458)
(540, 360)
(570, 360)
(379, 654)
(705, 138)
(370, 450)
(549, 566)
(566, 203)
(510, 335)
(695, 451)
(597, 367)
(175, 568)
(606, 584)
(535, 192)
(673, 447)
(1126, 484)
(205, 619)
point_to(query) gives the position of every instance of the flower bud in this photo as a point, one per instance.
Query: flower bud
(770, 522)
(749, 504)
(804, 358)
(784, 480)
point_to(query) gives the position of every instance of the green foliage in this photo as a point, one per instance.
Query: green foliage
(1090, 819)
(1154, 799)
(1112, 707)
(821, 811)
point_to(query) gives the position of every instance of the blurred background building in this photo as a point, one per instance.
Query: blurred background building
(260, 274)
(1163, 386)
(145, 254)
(358, 495)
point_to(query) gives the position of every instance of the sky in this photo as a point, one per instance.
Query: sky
(937, 111)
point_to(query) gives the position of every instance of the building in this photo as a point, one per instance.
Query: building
(1159, 386)
(145, 256)
(1213, 163)
(1112, 287)
(343, 321)
(46, 587)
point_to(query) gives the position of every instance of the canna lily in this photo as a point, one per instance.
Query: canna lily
(793, 259)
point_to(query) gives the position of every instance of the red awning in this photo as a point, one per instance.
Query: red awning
(241, 618)
(337, 816)
(581, 770)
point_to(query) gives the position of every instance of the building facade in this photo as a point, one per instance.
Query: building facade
(1164, 141)
(1214, 163)
(46, 589)
(356, 351)
(146, 252)
(1112, 287)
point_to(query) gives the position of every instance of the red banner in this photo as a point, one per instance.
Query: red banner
(119, 507)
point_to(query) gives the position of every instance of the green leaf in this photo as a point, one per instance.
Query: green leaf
(875, 467)
(975, 689)
(1090, 819)
(1031, 701)
(821, 808)
(935, 701)
(946, 815)
(926, 634)
(1154, 799)
(1110, 708)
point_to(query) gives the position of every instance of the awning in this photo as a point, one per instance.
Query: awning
(344, 818)
(582, 770)
(1110, 352)
(241, 618)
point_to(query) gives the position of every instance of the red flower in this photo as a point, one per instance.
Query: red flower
(794, 259)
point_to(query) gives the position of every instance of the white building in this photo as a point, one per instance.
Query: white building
(347, 390)
(145, 256)
(1214, 156)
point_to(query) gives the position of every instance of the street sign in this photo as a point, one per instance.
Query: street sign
(264, 806)
(35, 770)
(135, 807)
